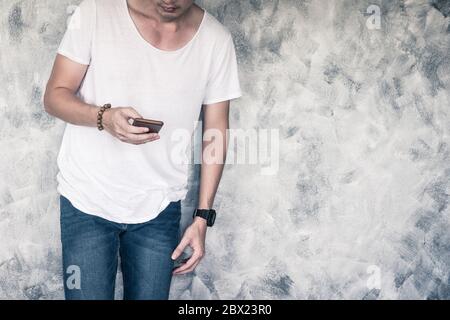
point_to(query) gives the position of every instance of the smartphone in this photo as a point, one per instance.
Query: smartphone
(154, 125)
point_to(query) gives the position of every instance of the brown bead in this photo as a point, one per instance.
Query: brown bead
(100, 116)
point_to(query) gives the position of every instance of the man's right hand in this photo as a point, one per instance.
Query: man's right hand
(115, 120)
(61, 101)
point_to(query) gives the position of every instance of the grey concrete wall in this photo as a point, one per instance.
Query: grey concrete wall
(359, 205)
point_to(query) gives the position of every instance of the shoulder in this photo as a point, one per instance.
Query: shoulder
(216, 27)
(87, 4)
(83, 15)
(103, 8)
(216, 31)
(86, 8)
(107, 4)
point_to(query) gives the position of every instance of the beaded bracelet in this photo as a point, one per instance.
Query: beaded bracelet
(100, 116)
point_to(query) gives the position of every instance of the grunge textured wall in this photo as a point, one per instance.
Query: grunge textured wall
(359, 205)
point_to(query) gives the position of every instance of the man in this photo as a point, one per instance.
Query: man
(121, 186)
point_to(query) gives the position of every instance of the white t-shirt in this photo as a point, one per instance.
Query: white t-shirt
(122, 182)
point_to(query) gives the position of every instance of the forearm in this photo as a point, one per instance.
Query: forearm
(209, 182)
(65, 105)
(212, 166)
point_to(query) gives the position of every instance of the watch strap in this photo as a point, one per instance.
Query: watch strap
(208, 214)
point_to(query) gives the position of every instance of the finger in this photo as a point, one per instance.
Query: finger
(188, 270)
(140, 137)
(194, 266)
(190, 263)
(121, 126)
(126, 127)
(180, 248)
(120, 136)
(128, 140)
(127, 114)
(179, 270)
(135, 129)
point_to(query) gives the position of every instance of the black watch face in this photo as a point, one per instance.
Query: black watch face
(211, 218)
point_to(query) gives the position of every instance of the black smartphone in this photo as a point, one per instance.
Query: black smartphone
(154, 125)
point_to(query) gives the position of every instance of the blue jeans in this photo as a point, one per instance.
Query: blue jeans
(91, 247)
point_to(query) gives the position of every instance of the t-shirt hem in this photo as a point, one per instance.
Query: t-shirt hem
(107, 217)
(232, 96)
(73, 57)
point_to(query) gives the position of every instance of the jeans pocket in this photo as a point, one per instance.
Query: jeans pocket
(67, 209)
(72, 220)
(171, 215)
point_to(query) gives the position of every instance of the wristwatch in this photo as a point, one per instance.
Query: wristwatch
(208, 214)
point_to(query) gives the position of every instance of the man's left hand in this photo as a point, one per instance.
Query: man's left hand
(194, 236)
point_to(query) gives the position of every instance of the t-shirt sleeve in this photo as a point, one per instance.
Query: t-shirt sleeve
(77, 41)
(223, 82)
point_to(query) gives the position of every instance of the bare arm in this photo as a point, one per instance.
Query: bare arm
(60, 100)
(216, 123)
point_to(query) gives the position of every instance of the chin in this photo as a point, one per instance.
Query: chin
(169, 16)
